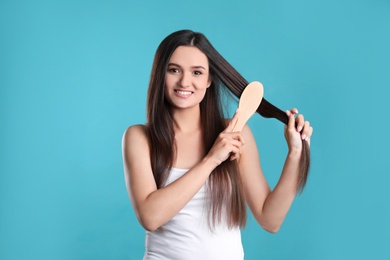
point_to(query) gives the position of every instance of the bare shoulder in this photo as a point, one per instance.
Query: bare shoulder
(136, 161)
(246, 131)
(135, 136)
(135, 131)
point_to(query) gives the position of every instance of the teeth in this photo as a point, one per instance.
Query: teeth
(183, 92)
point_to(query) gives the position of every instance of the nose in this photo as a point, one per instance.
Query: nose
(185, 80)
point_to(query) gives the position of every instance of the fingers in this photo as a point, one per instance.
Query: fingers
(307, 132)
(303, 127)
(233, 138)
(237, 142)
(231, 144)
(291, 119)
(236, 150)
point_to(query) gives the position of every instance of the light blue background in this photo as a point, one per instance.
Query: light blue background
(74, 75)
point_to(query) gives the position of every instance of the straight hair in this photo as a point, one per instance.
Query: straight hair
(224, 187)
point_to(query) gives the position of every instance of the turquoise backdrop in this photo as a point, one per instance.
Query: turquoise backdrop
(74, 76)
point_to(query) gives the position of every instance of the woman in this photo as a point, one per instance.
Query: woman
(189, 177)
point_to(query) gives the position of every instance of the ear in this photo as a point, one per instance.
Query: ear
(209, 82)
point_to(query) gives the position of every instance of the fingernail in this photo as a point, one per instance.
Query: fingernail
(288, 112)
(303, 137)
(307, 139)
(299, 128)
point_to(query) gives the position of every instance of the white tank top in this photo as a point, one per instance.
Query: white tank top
(187, 235)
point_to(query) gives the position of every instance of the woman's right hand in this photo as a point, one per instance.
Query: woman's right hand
(227, 145)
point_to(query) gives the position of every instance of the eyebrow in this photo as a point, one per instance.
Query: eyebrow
(194, 67)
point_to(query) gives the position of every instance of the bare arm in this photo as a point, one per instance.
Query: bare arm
(154, 207)
(270, 207)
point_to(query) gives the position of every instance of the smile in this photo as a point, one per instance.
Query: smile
(183, 92)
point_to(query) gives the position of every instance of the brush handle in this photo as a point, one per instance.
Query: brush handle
(240, 122)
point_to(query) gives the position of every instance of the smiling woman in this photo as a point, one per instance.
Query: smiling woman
(188, 174)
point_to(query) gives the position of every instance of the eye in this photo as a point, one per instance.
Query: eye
(173, 70)
(197, 72)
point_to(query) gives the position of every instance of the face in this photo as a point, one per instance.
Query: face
(187, 77)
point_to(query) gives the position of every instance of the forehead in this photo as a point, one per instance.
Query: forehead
(189, 56)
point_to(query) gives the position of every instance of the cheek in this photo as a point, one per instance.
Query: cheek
(203, 83)
(203, 88)
(168, 81)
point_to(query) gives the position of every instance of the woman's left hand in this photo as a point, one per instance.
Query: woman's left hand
(297, 130)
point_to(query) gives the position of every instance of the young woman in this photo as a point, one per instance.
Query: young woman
(189, 177)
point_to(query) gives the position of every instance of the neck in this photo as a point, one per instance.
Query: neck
(187, 120)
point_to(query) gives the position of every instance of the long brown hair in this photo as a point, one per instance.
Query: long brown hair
(224, 185)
